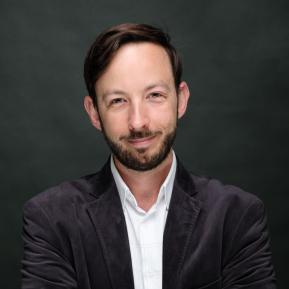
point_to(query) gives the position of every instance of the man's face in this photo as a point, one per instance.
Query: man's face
(138, 105)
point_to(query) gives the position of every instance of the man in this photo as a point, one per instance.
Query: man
(143, 221)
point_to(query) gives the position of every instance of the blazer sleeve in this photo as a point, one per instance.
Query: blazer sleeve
(249, 263)
(43, 265)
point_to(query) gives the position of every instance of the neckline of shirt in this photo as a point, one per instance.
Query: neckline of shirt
(126, 195)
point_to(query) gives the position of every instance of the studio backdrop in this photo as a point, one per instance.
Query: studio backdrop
(236, 62)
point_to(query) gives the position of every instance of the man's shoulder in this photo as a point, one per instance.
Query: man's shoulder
(80, 190)
(213, 193)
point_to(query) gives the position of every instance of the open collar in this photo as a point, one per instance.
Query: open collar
(109, 222)
(164, 192)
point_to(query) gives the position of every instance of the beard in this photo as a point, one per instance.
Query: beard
(138, 160)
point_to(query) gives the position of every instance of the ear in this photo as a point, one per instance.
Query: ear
(183, 97)
(92, 112)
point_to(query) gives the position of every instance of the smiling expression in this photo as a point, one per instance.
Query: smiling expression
(138, 105)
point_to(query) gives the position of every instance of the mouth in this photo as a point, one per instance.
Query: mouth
(142, 142)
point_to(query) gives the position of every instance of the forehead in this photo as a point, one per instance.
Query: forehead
(137, 64)
(140, 49)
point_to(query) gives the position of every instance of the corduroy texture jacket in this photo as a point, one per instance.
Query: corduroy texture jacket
(215, 237)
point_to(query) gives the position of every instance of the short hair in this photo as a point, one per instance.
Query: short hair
(109, 41)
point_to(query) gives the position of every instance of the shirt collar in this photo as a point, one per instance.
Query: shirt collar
(165, 192)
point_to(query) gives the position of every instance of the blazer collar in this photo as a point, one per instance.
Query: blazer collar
(104, 181)
(107, 216)
(182, 216)
(108, 219)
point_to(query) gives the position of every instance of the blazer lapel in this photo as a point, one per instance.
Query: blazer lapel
(109, 222)
(183, 212)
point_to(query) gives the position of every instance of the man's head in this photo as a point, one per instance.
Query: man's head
(133, 76)
(110, 41)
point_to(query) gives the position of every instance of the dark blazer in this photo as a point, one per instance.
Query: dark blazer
(215, 237)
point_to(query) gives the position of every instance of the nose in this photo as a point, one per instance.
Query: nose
(138, 116)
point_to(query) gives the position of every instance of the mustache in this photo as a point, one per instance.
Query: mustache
(136, 134)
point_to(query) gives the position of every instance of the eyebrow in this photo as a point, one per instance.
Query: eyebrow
(161, 84)
(122, 93)
(113, 92)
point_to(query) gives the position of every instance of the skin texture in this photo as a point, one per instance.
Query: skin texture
(138, 108)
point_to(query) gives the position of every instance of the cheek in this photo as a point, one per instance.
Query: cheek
(164, 118)
(114, 126)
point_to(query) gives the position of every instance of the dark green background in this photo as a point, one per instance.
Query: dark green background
(236, 59)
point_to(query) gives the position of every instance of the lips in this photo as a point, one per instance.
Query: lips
(141, 142)
(141, 139)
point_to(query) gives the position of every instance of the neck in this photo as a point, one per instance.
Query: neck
(145, 185)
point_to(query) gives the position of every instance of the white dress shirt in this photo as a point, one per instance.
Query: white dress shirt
(145, 230)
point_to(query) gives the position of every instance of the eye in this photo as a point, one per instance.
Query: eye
(156, 96)
(117, 101)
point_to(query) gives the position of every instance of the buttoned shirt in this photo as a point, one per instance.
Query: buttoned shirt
(145, 230)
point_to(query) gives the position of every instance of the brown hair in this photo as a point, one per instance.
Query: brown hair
(109, 41)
